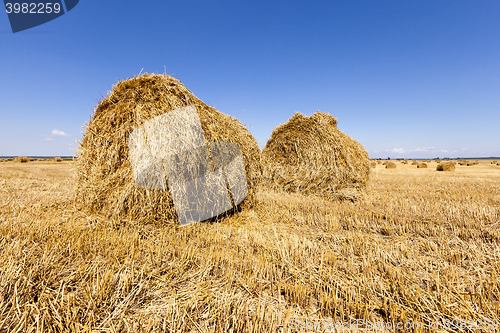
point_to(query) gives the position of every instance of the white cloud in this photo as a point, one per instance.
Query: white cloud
(424, 150)
(396, 150)
(59, 133)
(48, 139)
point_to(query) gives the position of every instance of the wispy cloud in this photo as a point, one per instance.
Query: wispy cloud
(425, 149)
(397, 150)
(59, 133)
(48, 139)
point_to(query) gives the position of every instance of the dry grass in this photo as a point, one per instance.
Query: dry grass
(421, 245)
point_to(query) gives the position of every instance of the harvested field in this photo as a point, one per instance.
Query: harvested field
(421, 245)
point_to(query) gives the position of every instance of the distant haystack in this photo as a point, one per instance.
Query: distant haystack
(414, 163)
(57, 159)
(445, 166)
(421, 165)
(21, 159)
(390, 165)
(310, 155)
(494, 162)
(385, 163)
(373, 164)
(404, 162)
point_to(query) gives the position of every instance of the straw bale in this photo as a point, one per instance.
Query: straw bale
(373, 164)
(105, 182)
(494, 162)
(310, 155)
(20, 159)
(414, 163)
(57, 159)
(421, 165)
(445, 166)
(390, 165)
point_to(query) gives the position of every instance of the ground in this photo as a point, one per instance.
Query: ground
(420, 246)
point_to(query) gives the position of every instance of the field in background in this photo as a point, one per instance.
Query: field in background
(420, 246)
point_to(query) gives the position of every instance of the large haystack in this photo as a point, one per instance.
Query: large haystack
(105, 179)
(445, 166)
(310, 155)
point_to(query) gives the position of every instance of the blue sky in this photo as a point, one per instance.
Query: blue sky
(404, 78)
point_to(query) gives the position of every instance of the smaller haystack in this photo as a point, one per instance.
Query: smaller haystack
(390, 165)
(421, 165)
(445, 166)
(373, 164)
(494, 162)
(404, 162)
(414, 163)
(310, 155)
(57, 159)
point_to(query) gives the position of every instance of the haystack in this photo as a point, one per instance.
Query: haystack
(494, 162)
(421, 165)
(445, 166)
(390, 165)
(404, 162)
(105, 182)
(57, 159)
(20, 159)
(414, 163)
(310, 155)
(385, 163)
(373, 164)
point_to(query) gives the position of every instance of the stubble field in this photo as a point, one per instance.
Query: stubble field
(420, 246)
